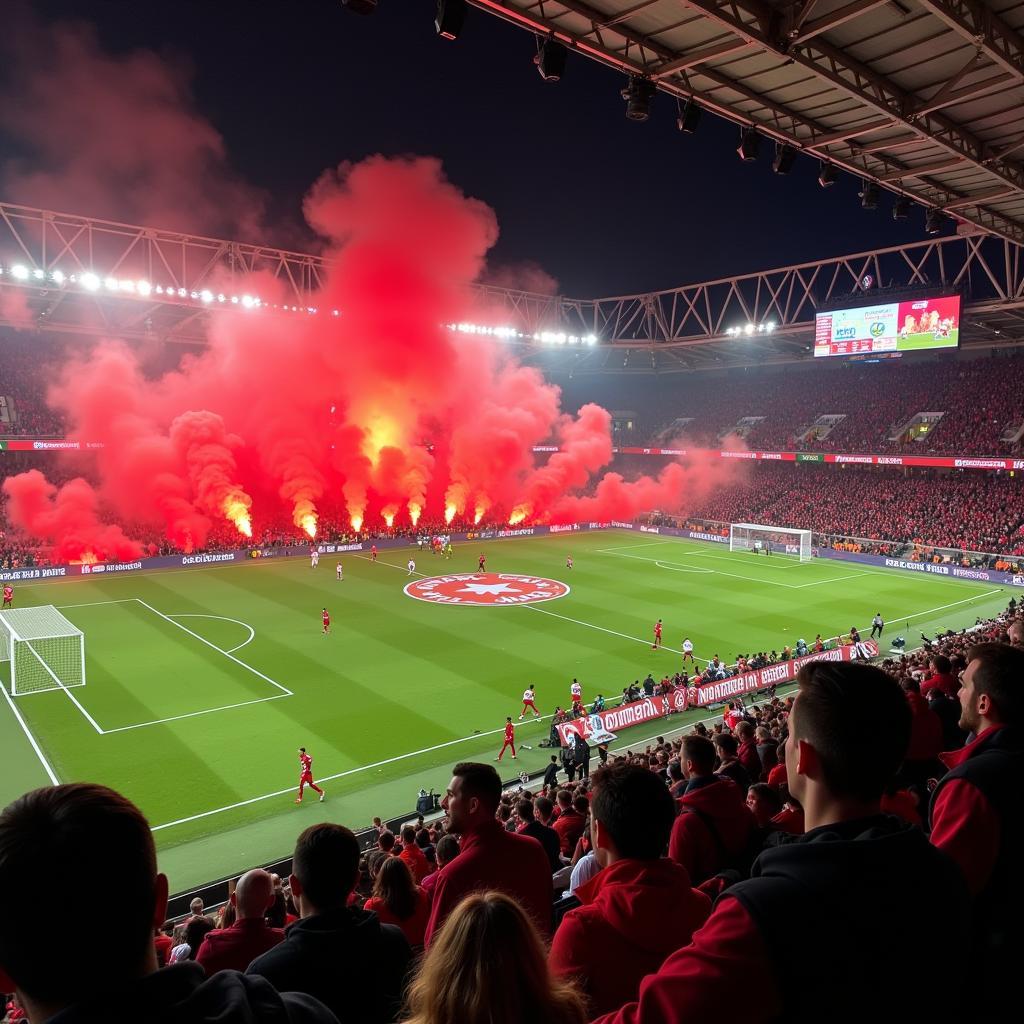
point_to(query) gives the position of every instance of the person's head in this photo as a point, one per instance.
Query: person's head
(762, 735)
(196, 929)
(764, 802)
(488, 963)
(940, 664)
(745, 731)
(697, 756)
(386, 841)
(631, 814)
(675, 771)
(472, 796)
(726, 745)
(581, 805)
(422, 837)
(544, 808)
(325, 868)
(55, 844)
(253, 895)
(524, 811)
(993, 685)
(911, 685)
(196, 907)
(1016, 633)
(408, 835)
(446, 851)
(395, 886)
(849, 729)
(564, 800)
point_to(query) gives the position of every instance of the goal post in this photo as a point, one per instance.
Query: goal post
(774, 540)
(45, 650)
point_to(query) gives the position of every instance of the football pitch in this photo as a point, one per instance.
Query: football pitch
(202, 683)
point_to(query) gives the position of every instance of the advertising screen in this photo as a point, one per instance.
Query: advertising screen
(906, 326)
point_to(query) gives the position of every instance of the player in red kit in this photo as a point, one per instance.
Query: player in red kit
(510, 739)
(326, 616)
(306, 776)
(657, 635)
(481, 565)
(8, 596)
(373, 552)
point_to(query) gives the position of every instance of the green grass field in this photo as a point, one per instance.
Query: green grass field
(203, 682)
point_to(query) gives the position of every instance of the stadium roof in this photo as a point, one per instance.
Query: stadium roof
(924, 97)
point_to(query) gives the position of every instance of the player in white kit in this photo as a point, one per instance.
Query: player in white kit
(339, 572)
(688, 650)
(412, 567)
(314, 558)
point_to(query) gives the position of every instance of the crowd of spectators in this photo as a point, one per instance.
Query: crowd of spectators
(23, 380)
(805, 850)
(966, 511)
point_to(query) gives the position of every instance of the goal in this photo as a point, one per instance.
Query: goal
(44, 649)
(775, 540)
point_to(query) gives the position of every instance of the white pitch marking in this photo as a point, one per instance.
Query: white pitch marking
(35, 746)
(196, 714)
(237, 622)
(674, 568)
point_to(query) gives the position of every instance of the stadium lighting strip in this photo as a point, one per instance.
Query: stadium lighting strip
(92, 283)
(747, 329)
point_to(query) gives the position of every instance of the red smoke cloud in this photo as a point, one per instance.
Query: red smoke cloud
(67, 518)
(380, 411)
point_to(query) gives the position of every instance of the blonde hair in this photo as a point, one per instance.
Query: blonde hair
(487, 965)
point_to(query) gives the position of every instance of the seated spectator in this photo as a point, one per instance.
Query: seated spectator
(639, 907)
(487, 964)
(445, 852)
(490, 857)
(162, 943)
(975, 809)
(50, 860)
(571, 821)
(398, 900)
(941, 678)
(385, 848)
(747, 752)
(413, 856)
(795, 936)
(764, 803)
(544, 834)
(193, 933)
(714, 829)
(767, 750)
(342, 956)
(236, 946)
(728, 761)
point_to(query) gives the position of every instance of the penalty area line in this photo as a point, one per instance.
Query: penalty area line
(32, 740)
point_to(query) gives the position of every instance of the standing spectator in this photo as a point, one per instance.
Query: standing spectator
(581, 755)
(487, 964)
(975, 809)
(728, 762)
(551, 773)
(854, 904)
(747, 752)
(767, 750)
(412, 856)
(572, 819)
(445, 852)
(50, 860)
(544, 834)
(640, 906)
(330, 935)
(385, 849)
(925, 737)
(490, 857)
(235, 947)
(398, 900)
(715, 828)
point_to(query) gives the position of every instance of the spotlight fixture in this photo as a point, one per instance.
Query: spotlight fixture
(449, 18)
(750, 144)
(638, 95)
(826, 174)
(900, 208)
(933, 221)
(784, 158)
(868, 195)
(360, 6)
(550, 60)
(689, 117)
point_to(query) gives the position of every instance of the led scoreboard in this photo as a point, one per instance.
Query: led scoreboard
(906, 326)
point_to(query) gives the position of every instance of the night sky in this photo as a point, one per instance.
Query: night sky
(603, 204)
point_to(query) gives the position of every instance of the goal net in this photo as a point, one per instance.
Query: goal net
(45, 651)
(770, 540)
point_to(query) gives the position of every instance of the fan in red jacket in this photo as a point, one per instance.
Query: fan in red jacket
(715, 827)
(489, 857)
(571, 821)
(792, 938)
(942, 678)
(747, 752)
(640, 906)
(250, 936)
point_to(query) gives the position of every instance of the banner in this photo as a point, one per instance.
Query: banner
(622, 717)
(773, 675)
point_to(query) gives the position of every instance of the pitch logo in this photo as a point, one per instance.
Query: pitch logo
(486, 588)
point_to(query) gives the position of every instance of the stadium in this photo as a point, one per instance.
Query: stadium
(418, 620)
